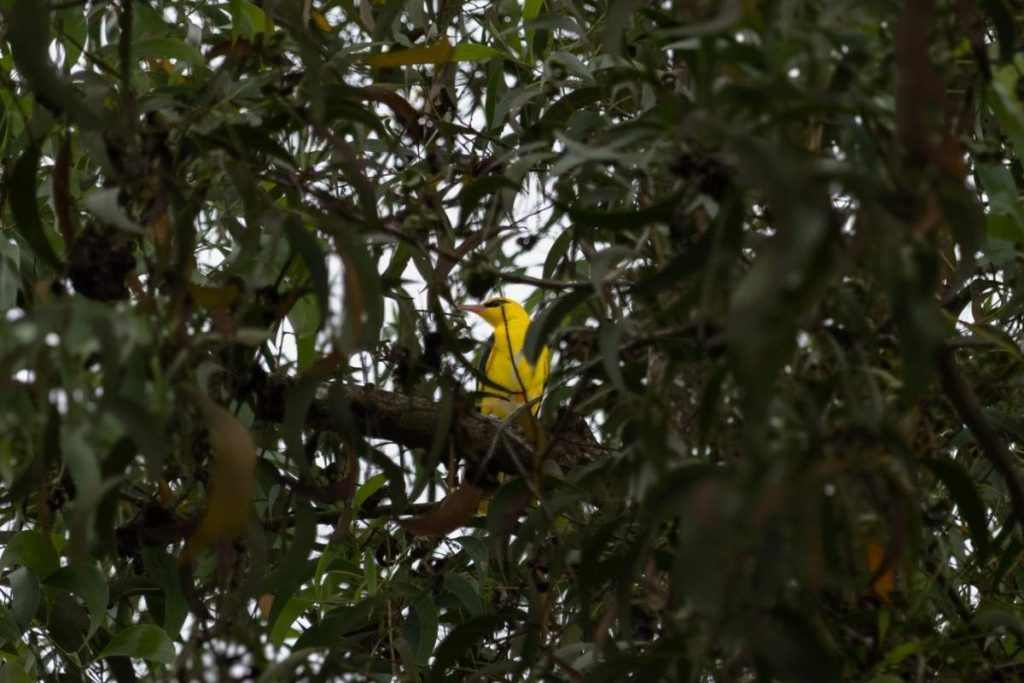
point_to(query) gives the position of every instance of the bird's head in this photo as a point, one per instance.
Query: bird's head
(498, 310)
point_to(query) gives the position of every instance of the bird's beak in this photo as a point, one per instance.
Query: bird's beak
(471, 308)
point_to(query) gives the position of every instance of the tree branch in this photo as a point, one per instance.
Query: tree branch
(412, 422)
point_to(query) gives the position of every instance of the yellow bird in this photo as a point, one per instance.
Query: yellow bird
(514, 380)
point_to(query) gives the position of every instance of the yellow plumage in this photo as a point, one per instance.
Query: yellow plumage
(513, 379)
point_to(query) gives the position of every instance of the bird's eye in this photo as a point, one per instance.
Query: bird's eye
(494, 304)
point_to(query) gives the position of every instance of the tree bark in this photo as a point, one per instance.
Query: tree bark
(412, 422)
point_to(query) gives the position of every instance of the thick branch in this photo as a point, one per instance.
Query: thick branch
(961, 395)
(413, 422)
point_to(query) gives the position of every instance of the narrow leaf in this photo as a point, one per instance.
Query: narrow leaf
(308, 248)
(295, 568)
(228, 505)
(438, 52)
(28, 30)
(25, 208)
(968, 501)
(548, 320)
(474, 52)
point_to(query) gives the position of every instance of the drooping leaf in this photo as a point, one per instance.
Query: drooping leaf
(25, 208)
(228, 505)
(308, 247)
(29, 36)
(970, 504)
(295, 570)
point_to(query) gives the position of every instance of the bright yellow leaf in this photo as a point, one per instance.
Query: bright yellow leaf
(437, 52)
(321, 21)
(228, 504)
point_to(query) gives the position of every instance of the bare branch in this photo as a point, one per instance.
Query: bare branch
(411, 421)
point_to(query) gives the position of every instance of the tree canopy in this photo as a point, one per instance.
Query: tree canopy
(773, 246)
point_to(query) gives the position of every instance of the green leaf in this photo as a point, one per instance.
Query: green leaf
(142, 641)
(81, 462)
(370, 571)
(298, 401)
(66, 621)
(169, 48)
(904, 650)
(284, 669)
(364, 301)
(1002, 226)
(341, 622)
(659, 211)
(794, 649)
(474, 52)
(74, 29)
(572, 64)
(247, 19)
(620, 13)
(9, 629)
(144, 428)
(463, 590)
(1000, 186)
(420, 628)
(1006, 106)
(27, 593)
(260, 21)
(307, 246)
(545, 323)
(31, 549)
(609, 338)
(10, 275)
(28, 30)
(305, 317)
(295, 568)
(25, 207)
(286, 616)
(473, 192)
(87, 582)
(465, 636)
(1003, 20)
(254, 140)
(531, 9)
(367, 489)
(556, 253)
(12, 672)
(162, 569)
(967, 499)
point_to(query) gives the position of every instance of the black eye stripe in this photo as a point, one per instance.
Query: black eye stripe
(495, 304)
